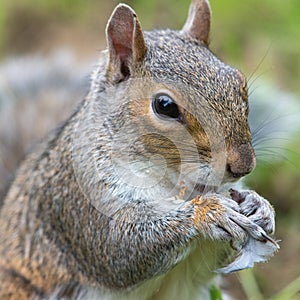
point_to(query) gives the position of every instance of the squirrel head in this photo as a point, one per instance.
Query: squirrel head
(171, 108)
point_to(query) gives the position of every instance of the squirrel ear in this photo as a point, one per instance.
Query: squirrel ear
(126, 43)
(197, 24)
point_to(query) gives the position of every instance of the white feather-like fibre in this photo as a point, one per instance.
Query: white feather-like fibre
(253, 252)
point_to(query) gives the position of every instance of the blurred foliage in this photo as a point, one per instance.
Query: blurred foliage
(215, 293)
(243, 31)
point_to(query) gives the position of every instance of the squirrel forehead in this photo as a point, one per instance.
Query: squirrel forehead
(174, 57)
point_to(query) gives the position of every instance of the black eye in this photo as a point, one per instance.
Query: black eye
(164, 106)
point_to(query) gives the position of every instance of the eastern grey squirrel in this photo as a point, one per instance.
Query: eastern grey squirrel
(136, 195)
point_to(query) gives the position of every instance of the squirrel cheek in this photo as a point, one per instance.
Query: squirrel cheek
(139, 108)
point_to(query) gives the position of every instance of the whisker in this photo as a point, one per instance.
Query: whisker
(283, 149)
(268, 122)
(170, 163)
(264, 124)
(250, 84)
(267, 154)
(261, 141)
(259, 64)
(265, 164)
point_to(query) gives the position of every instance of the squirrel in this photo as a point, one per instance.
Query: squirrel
(137, 195)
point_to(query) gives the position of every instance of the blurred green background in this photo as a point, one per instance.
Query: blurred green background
(244, 32)
(262, 38)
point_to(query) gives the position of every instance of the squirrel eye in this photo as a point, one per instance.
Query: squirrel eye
(164, 106)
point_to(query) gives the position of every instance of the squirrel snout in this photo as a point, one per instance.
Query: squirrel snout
(240, 161)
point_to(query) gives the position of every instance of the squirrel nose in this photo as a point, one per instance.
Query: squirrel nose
(240, 161)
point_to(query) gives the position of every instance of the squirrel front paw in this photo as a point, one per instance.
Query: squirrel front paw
(220, 218)
(216, 217)
(256, 208)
